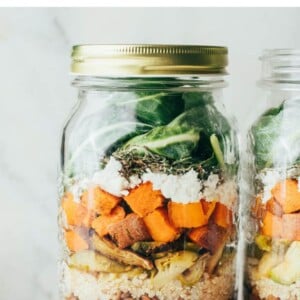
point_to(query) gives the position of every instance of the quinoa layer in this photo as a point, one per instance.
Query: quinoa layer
(267, 289)
(85, 286)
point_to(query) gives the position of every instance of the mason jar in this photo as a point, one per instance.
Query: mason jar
(273, 263)
(148, 184)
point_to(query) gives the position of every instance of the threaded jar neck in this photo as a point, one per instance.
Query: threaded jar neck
(281, 69)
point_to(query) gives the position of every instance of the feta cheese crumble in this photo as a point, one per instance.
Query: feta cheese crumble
(187, 188)
(110, 179)
(184, 188)
(210, 187)
(226, 193)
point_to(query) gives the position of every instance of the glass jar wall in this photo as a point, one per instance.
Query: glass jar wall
(273, 256)
(149, 162)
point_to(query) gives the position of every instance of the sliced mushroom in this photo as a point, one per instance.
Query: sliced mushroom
(110, 250)
(215, 258)
(193, 274)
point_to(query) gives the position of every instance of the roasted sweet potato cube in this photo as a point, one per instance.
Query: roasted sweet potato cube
(189, 215)
(143, 199)
(208, 207)
(101, 223)
(74, 241)
(291, 227)
(159, 226)
(272, 225)
(222, 215)
(76, 213)
(128, 231)
(288, 195)
(210, 237)
(274, 207)
(99, 200)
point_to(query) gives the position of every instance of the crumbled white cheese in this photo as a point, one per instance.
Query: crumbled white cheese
(269, 180)
(110, 179)
(134, 181)
(227, 193)
(187, 188)
(210, 187)
(184, 188)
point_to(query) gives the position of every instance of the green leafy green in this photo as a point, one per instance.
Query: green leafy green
(194, 99)
(174, 142)
(276, 136)
(204, 118)
(181, 137)
(265, 134)
(158, 108)
(209, 122)
(217, 149)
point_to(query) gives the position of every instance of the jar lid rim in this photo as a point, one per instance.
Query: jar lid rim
(146, 59)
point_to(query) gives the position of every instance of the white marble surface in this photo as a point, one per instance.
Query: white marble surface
(36, 98)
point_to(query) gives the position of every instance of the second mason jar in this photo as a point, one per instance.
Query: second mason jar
(273, 258)
(149, 164)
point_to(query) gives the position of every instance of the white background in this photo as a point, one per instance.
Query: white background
(36, 98)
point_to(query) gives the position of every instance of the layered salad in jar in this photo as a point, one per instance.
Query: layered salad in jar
(274, 255)
(154, 217)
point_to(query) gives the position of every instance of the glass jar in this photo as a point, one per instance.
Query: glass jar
(273, 257)
(149, 164)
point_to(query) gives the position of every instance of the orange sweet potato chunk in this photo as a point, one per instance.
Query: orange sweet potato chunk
(291, 226)
(99, 200)
(272, 225)
(222, 215)
(287, 194)
(76, 213)
(144, 200)
(188, 215)
(102, 223)
(159, 226)
(274, 207)
(210, 236)
(197, 234)
(208, 207)
(75, 242)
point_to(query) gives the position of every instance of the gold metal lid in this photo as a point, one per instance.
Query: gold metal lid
(133, 60)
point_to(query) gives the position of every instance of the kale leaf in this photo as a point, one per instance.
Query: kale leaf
(204, 118)
(276, 136)
(193, 134)
(158, 108)
(194, 99)
(174, 142)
